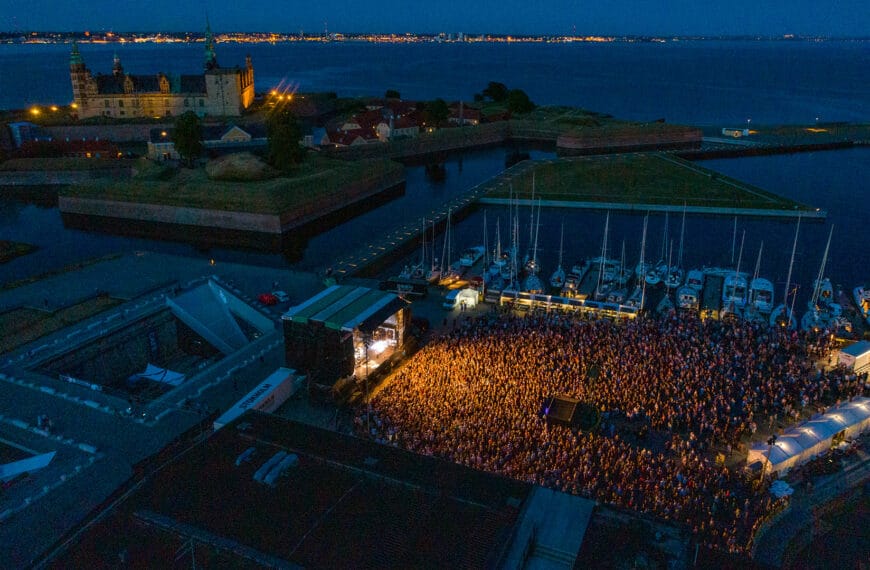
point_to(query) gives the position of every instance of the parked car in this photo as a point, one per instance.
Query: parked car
(281, 296)
(267, 299)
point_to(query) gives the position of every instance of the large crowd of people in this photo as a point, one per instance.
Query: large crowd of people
(476, 396)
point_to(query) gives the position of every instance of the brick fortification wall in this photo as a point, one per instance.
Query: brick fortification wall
(116, 133)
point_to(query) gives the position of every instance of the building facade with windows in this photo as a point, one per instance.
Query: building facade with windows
(218, 92)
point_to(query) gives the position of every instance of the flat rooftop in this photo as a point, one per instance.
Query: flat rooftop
(346, 503)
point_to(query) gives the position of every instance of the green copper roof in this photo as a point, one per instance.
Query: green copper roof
(75, 57)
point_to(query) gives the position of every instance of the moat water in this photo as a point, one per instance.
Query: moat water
(695, 82)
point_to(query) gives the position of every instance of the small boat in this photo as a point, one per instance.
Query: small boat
(581, 267)
(861, 296)
(642, 266)
(557, 279)
(826, 291)
(695, 280)
(675, 273)
(659, 272)
(761, 295)
(572, 284)
(822, 313)
(687, 298)
(533, 284)
(624, 273)
(760, 289)
(471, 255)
(734, 290)
(655, 275)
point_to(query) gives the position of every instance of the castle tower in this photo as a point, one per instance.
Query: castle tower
(117, 68)
(210, 56)
(78, 74)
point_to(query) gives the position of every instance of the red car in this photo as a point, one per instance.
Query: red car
(267, 299)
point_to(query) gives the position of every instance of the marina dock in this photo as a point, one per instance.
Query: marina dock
(406, 237)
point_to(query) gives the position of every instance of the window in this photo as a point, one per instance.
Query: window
(106, 101)
(202, 102)
(122, 112)
(120, 103)
(187, 102)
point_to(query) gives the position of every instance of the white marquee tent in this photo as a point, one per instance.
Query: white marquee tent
(805, 441)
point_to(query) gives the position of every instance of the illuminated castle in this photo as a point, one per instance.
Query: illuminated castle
(217, 92)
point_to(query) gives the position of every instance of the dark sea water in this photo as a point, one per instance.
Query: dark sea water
(693, 82)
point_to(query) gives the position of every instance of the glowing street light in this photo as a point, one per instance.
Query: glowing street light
(35, 111)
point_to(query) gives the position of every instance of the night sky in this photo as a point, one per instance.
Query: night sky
(617, 17)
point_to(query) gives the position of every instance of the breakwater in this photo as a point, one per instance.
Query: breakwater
(743, 151)
(678, 208)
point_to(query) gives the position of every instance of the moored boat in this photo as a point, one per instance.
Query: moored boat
(761, 295)
(557, 279)
(688, 298)
(695, 280)
(471, 255)
(822, 313)
(861, 296)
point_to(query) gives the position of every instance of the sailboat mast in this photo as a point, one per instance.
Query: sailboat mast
(791, 263)
(740, 256)
(682, 233)
(485, 243)
(537, 230)
(818, 286)
(622, 262)
(733, 240)
(758, 262)
(423, 248)
(643, 243)
(603, 248)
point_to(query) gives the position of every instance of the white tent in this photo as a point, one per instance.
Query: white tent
(805, 441)
(157, 374)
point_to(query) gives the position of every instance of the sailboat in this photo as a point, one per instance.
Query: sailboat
(760, 289)
(606, 267)
(783, 315)
(557, 279)
(533, 283)
(656, 274)
(619, 291)
(642, 266)
(417, 270)
(675, 271)
(434, 272)
(637, 296)
(449, 273)
(735, 287)
(821, 314)
(861, 296)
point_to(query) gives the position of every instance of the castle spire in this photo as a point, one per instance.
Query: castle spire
(75, 58)
(117, 68)
(210, 56)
